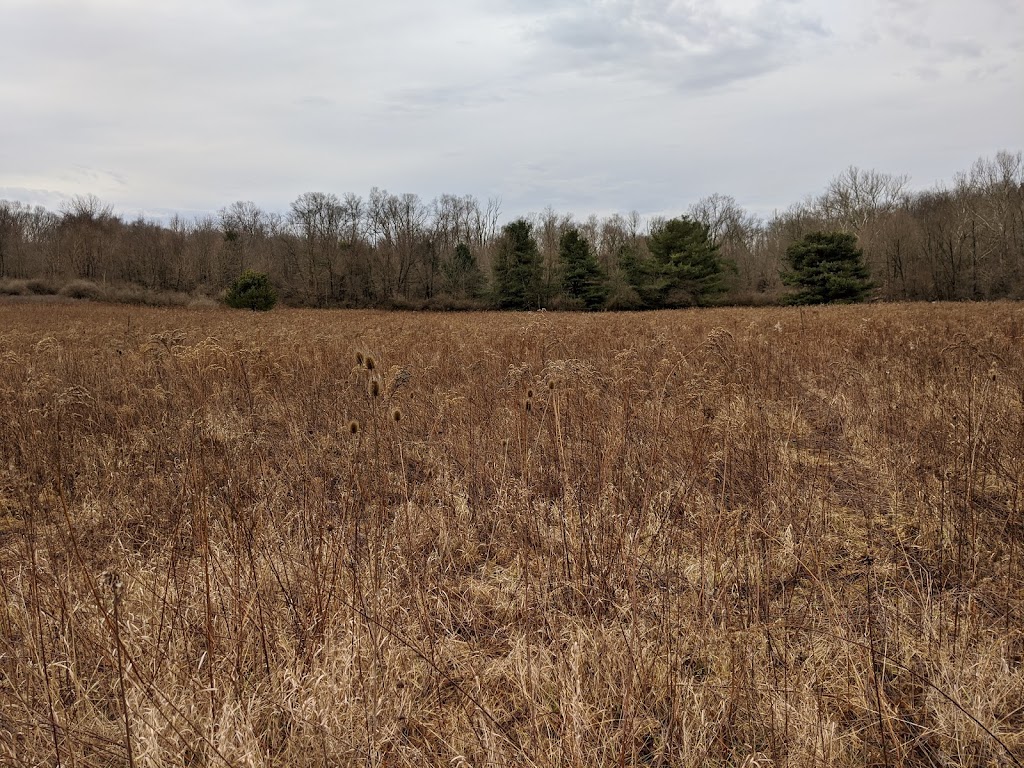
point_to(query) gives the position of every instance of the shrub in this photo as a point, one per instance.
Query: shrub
(199, 301)
(41, 287)
(146, 297)
(82, 289)
(13, 287)
(252, 290)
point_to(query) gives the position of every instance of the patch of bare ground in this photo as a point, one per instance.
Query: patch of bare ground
(729, 537)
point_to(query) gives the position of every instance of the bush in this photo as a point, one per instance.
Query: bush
(146, 297)
(199, 301)
(41, 287)
(82, 289)
(13, 287)
(252, 291)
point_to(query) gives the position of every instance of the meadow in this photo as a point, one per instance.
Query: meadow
(735, 537)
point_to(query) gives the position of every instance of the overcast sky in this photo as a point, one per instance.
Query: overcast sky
(589, 107)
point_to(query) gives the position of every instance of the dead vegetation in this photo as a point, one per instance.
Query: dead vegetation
(726, 537)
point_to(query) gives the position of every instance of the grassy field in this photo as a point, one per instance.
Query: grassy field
(724, 537)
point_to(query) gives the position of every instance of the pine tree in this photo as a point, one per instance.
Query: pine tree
(827, 267)
(635, 289)
(583, 283)
(463, 277)
(517, 268)
(686, 267)
(252, 290)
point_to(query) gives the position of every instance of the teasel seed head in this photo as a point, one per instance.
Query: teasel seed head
(353, 427)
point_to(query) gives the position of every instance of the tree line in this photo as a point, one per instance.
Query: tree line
(962, 240)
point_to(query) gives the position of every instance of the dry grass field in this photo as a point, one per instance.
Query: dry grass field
(723, 537)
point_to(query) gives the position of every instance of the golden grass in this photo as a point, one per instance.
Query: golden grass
(726, 537)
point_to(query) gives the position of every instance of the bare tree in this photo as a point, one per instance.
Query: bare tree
(991, 194)
(317, 219)
(855, 196)
(549, 227)
(961, 241)
(456, 220)
(89, 228)
(245, 227)
(14, 218)
(738, 235)
(397, 224)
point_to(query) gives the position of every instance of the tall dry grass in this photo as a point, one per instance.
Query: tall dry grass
(731, 537)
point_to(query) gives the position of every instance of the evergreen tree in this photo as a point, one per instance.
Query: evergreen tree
(517, 268)
(582, 280)
(686, 267)
(827, 267)
(640, 291)
(252, 290)
(462, 274)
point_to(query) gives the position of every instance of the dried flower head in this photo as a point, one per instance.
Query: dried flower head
(370, 363)
(374, 388)
(113, 581)
(353, 427)
(360, 359)
(396, 415)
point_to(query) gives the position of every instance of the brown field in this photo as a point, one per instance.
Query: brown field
(724, 537)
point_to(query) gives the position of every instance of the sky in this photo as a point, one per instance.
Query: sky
(588, 107)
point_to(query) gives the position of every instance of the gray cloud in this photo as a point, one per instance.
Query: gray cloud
(588, 106)
(685, 45)
(48, 198)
